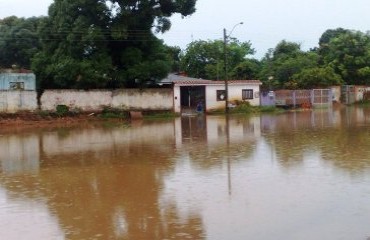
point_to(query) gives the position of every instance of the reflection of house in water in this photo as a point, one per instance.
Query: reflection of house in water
(214, 130)
(23, 153)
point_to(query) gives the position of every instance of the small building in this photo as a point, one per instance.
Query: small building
(188, 92)
(18, 81)
(17, 92)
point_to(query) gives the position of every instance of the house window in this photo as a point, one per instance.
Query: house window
(221, 95)
(16, 86)
(247, 94)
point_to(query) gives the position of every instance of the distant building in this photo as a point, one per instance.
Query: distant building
(17, 92)
(188, 92)
(17, 81)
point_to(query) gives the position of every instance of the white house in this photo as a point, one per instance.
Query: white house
(188, 92)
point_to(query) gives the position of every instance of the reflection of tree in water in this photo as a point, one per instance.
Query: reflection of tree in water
(290, 146)
(346, 146)
(112, 194)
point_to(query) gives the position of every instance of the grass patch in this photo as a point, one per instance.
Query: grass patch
(364, 102)
(109, 112)
(246, 108)
(160, 115)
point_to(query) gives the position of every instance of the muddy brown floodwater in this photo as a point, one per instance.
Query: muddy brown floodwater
(297, 175)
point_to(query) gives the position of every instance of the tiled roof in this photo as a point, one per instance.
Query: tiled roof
(210, 82)
(173, 78)
(188, 81)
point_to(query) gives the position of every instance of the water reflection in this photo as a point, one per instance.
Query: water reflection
(190, 178)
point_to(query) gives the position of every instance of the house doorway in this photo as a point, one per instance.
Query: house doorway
(191, 96)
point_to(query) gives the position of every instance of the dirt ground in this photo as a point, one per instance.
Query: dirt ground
(27, 120)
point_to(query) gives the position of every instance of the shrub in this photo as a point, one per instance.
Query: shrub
(62, 110)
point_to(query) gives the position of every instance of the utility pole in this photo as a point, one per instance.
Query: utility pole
(225, 67)
(225, 72)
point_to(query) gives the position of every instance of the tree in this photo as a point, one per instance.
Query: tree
(19, 41)
(248, 69)
(98, 43)
(282, 62)
(317, 77)
(205, 59)
(348, 53)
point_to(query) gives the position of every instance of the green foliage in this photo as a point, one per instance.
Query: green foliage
(97, 44)
(246, 108)
(62, 110)
(247, 69)
(205, 59)
(243, 107)
(19, 41)
(348, 53)
(317, 78)
(160, 115)
(281, 63)
(109, 112)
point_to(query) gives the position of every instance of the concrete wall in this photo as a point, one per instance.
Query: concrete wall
(143, 99)
(235, 94)
(95, 100)
(84, 100)
(177, 99)
(336, 91)
(13, 101)
(359, 92)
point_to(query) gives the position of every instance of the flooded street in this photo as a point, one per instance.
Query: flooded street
(299, 175)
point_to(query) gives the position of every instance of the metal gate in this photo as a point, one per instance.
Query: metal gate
(322, 98)
(348, 94)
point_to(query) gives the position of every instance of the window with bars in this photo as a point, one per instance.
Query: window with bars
(16, 86)
(247, 94)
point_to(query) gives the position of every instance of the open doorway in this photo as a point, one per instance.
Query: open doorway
(191, 96)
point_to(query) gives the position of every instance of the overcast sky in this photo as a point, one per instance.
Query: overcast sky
(266, 22)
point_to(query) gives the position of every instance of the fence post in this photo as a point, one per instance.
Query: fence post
(312, 97)
(294, 100)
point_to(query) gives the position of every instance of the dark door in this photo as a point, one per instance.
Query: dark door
(191, 96)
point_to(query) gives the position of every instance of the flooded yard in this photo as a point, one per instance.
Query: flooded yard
(297, 175)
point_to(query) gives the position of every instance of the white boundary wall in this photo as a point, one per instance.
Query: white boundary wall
(145, 99)
(96, 100)
(84, 100)
(14, 101)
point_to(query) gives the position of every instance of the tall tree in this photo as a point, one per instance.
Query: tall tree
(19, 41)
(281, 63)
(317, 77)
(99, 43)
(348, 53)
(205, 59)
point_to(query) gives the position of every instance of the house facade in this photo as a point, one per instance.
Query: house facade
(189, 92)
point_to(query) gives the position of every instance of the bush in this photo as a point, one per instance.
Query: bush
(109, 112)
(62, 110)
